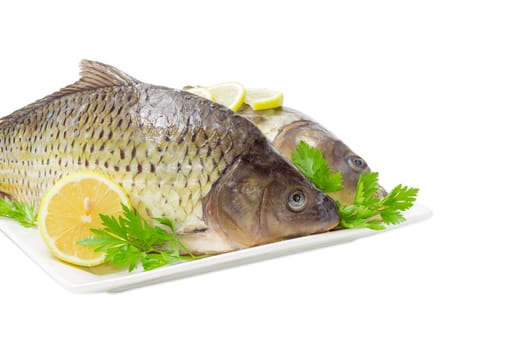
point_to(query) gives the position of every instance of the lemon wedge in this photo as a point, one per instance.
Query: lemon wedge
(231, 95)
(202, 92)
(259, 98)
(71, 208)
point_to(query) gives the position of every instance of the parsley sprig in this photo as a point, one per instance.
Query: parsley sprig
(371, 212)
(130, 240)
(22, 212)
(309, 160)
(367, 211)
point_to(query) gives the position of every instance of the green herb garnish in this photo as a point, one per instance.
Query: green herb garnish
(309, 160)
(22, 212)
(367, 211)
(129, 239)
(371, 212)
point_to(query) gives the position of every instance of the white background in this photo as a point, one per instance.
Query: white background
(426, 91)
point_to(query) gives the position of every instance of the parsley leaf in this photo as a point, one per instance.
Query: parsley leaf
(130, 240)
(401, 198)
(22, 212)
(359, 216)
(368, 211)
(310, 162)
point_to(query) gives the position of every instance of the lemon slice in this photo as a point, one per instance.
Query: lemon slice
(259, 98)
(202, 92)
(231, 94)
(71, 208)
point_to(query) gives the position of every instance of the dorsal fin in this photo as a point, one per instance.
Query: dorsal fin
(93, 75)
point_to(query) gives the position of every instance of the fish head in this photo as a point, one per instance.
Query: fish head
(262, 199)
(338, 155)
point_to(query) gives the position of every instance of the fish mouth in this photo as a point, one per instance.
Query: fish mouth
(381, 192)
(331, 214)
(333, 227)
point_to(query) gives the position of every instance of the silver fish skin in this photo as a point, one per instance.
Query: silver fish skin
(177, 155)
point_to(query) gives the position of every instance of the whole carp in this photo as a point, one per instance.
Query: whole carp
(286, 127)
(177, 155)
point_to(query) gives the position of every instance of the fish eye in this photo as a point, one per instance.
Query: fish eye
(296, 201)
(357, 163)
